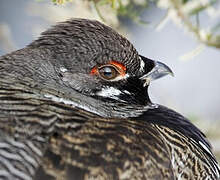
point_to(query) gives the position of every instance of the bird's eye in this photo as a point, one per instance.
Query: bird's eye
(113, 71)
(108, 72)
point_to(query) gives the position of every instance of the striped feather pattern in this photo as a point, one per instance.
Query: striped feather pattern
(189, 161)
(19, 159)
(27, 121)
(108, 149)
(45, 139)
(50, 129)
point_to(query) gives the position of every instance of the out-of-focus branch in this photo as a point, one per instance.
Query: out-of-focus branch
(126, 8)
(78, 9)
(181, 12)
(61, 1)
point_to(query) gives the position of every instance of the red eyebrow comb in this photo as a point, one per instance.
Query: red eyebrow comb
(120, 67)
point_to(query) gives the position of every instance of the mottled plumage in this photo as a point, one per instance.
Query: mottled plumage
(61, 119)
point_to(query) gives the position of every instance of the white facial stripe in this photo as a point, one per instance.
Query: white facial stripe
(69, 102)
(58, 99)
(142, 64)
(109, 92)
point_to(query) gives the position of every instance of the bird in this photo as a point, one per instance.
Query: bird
(74, 105)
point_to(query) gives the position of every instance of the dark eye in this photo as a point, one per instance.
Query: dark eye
(108, 72)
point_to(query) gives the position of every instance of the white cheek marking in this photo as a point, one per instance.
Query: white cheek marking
(142, 64)
(58, 99)
(66, 101)
(109, 92)
(72, 103)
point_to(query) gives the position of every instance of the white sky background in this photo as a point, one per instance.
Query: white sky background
(195, 89)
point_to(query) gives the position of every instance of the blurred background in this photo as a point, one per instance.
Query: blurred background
(183, 34)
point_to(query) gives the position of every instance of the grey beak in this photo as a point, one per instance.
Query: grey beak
(159, 70)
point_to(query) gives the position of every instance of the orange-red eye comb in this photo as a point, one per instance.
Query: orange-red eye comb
(94, 71)
(121, 68)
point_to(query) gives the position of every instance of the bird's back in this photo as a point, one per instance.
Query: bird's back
(130, 149)
(109, 149)
(59, 141)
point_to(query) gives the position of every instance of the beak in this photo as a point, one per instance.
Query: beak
(157, 71)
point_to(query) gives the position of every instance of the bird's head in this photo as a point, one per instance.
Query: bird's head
(94, 60)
